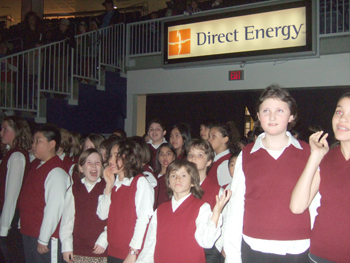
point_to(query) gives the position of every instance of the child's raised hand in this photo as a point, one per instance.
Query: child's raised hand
(221, 202)
(319, 144)
(108, 176)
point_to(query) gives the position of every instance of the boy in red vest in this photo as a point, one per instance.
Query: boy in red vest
(42, 199)
(201, 153)
(156, 131)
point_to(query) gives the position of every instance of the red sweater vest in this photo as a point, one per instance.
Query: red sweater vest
(175, 233)
(32, 198)
(122, 219)
(3, 172)
(153, 155)
(269, 186)
(182, 157)
(211, 190)
(212, 174)
(330, 238)
(147, 168)
(87, 225)
(68, 163)
(161, 192)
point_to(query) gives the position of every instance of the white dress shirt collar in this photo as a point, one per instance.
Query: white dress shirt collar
(218, 156)
(175, 204)
(258, 143)
(89, 186)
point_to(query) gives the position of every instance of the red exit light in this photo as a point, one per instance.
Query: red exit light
(236, 75)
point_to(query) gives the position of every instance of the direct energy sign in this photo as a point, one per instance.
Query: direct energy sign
(281, 29)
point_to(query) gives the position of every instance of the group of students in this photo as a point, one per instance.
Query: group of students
(125, 200)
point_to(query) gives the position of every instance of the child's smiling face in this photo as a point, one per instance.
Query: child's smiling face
(156, 133)
(92, 168)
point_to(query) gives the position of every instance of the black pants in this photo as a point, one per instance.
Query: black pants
(212, 255)
(111, 259)
(12, 246)
(249, 255)
(317, 259)
(32, 255)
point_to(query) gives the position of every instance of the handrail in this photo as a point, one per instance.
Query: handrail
(26, 76)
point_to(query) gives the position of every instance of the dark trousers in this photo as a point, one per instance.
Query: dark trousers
(12, 246)
(212, 255)
(32, 255)
(111, 259)
(249, 255)
(316, 259)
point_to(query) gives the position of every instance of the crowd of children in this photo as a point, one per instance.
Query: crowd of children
(214, 199)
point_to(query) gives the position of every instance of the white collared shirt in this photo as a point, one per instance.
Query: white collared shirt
(144, 200)
(156, 146)
(223, 172)
(68, 217)
(14, 178)
(88, 185)
(57, 185)
(233, 231)
(206, 230)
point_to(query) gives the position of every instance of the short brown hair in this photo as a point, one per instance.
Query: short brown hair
(205, 146)
(191, 169)
(131, 159)
(276, 92)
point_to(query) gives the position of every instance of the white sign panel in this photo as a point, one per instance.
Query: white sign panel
(270, 30)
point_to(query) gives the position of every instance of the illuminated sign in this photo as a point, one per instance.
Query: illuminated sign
(236, 75)
(271, 29)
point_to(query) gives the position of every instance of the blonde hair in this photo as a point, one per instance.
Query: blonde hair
(23, 136)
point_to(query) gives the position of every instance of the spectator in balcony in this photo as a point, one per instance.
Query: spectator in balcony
(62, 33)
(193, 8)
(220, 4)
(95, 24)
(8, 67)
(83, 51)
(112, 16)
(60, 55)
(33, 31)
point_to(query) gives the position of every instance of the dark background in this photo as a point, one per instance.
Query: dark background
(316, 106)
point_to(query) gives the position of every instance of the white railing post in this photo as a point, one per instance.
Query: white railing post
(39, 81)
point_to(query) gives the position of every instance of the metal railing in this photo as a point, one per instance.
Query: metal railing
(96, 49)
(29, 75)
(51, 69)
(334, 17)
(144, 38)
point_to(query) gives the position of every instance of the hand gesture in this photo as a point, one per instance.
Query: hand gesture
(68, 256)
(109, 176)
(221, 202)
(319, 144)
(98, 249)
